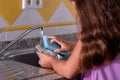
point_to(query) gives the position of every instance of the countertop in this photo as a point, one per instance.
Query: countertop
(13, 70)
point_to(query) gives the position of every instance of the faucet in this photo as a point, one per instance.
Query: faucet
(2, 55)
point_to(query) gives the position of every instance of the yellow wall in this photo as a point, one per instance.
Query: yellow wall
(11, 9)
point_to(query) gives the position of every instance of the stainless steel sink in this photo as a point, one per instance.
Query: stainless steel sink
(27, 56)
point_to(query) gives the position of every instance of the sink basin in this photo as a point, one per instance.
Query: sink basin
(27, 56)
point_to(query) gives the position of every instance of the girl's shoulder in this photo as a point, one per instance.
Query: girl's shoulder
(109, 71)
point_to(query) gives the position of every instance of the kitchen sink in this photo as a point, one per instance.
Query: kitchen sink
(27, 56)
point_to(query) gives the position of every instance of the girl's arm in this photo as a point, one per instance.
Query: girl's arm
(70, 67)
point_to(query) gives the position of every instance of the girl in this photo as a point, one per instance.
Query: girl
(96, 55)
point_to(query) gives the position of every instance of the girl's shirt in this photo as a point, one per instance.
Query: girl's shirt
(109, 71)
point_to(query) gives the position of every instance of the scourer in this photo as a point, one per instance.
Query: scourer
(48, 45)
(53, 46)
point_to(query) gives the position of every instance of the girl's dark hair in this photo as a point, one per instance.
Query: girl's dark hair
(100, 36)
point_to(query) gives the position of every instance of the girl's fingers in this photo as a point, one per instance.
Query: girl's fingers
(51, 37)
(54, 40)
(58, 50)
(40, 54)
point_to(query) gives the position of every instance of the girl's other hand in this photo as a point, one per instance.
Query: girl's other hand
(45, 60)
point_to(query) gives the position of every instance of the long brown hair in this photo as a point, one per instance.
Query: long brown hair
(100, 36)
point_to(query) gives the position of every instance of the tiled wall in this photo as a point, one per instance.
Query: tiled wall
(54, 14)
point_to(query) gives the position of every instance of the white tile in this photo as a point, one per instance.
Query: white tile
(62, 14)
(2, 36)
(29, 17)
(3, 22)
(58, 30)
(11, 35)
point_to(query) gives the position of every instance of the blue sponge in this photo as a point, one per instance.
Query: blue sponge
(53, 46)
(48, 45)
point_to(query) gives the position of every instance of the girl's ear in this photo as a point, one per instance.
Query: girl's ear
(72, 2)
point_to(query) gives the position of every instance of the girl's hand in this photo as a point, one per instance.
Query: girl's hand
(65, 46)
(45, 60)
